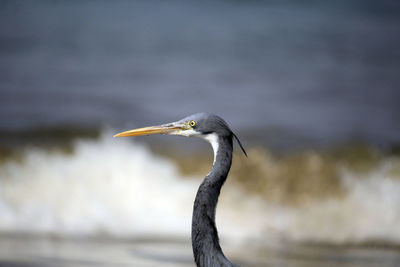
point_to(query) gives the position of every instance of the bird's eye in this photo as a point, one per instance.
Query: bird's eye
(192, 123)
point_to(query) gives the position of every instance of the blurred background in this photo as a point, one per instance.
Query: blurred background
(310, 87)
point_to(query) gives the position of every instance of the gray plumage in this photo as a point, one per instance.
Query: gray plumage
(206, 249)
(205, 242)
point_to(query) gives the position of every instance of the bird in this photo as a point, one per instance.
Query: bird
(207, 251)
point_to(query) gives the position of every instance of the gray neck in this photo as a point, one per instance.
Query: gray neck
(205, 242)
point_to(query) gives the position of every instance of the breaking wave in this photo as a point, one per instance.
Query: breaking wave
(120, 188)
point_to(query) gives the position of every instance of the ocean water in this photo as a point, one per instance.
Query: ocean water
(310, 88)
(59, 208)
(283, 72)
(111, 187)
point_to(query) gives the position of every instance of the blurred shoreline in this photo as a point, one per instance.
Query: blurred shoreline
(41, 251)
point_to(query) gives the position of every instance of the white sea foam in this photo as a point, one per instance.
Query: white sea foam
(109, 185)
(120, 188)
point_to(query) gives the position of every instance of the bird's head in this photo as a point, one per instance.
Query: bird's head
(202, 125)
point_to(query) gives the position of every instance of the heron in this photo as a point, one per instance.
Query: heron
(207, 251)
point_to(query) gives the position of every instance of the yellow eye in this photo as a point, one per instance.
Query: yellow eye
(192, 123)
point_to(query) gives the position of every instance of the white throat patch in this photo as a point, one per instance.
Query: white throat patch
(213, 139)
(186, 133)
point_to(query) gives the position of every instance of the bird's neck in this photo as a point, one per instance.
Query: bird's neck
(205, 242)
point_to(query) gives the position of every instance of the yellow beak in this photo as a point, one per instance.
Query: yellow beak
(160, 129)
